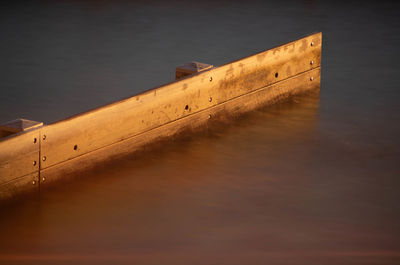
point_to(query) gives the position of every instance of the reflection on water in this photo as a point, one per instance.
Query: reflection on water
(255, 191)
(311, 181)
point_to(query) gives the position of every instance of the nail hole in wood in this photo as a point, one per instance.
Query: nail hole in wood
(276, 75)
(186, 107)
(34, 140)
(75, 147)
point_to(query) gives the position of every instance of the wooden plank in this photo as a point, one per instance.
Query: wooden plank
(116, 122)
(301, 83)
(19, 155)
(27, 183)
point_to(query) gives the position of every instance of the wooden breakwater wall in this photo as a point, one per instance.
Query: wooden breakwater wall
(31, 159)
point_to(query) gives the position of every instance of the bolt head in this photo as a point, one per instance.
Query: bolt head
(34, 163)
(312, 43)
(43, 179)
(311, 78)
(210, 78)
(311, 62)
(44, 158)
(33, 182)
(44, 137)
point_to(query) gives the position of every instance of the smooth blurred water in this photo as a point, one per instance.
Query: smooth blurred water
(311, 181)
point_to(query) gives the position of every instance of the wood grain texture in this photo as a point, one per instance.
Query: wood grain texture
(27, 183)
(224, 111)
(113, 123)
(45, 154)
(18, 155)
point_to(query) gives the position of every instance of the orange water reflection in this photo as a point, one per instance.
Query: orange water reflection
(246, 192)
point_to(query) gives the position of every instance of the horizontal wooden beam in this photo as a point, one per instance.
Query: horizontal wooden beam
(126, 125)
(218, 113)
(19, 162)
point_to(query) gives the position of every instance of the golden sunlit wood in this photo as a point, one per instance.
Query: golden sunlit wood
(124, 126)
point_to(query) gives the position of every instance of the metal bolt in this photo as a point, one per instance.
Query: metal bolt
(210, 99)
(44, 158)
(33, 182)
(210, 79)
(209, 116)
(312, 43)
(34, 163)
(44, 137)
(311, 78)
(34, 140)
(43, 179)
(311, 62)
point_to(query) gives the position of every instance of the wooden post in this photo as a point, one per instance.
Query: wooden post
(191, 68)
(18, 125)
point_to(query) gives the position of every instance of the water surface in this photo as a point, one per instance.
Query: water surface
(311, 181)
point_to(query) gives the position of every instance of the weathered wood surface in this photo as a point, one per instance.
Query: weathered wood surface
(27, 183)
(191, 68)
(113, 123)
(18, 125)
(19, 157)
(256, 99)
(127, 125)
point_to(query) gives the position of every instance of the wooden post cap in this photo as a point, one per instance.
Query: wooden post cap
(191, 68)
(18, 125)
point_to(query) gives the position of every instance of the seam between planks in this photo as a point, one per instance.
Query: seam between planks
(181, 118)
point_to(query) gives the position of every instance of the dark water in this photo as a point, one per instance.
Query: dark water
(312, 181)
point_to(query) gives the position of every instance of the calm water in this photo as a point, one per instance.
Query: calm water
(311, 181)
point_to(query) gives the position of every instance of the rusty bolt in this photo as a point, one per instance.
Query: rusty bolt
(210, 78)
(44, 137)
(34, 163)
(43, 179)
(209, 116)
(311, 78)
(311, 62)
(44, 158)
(33, 182)
(210, 99)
